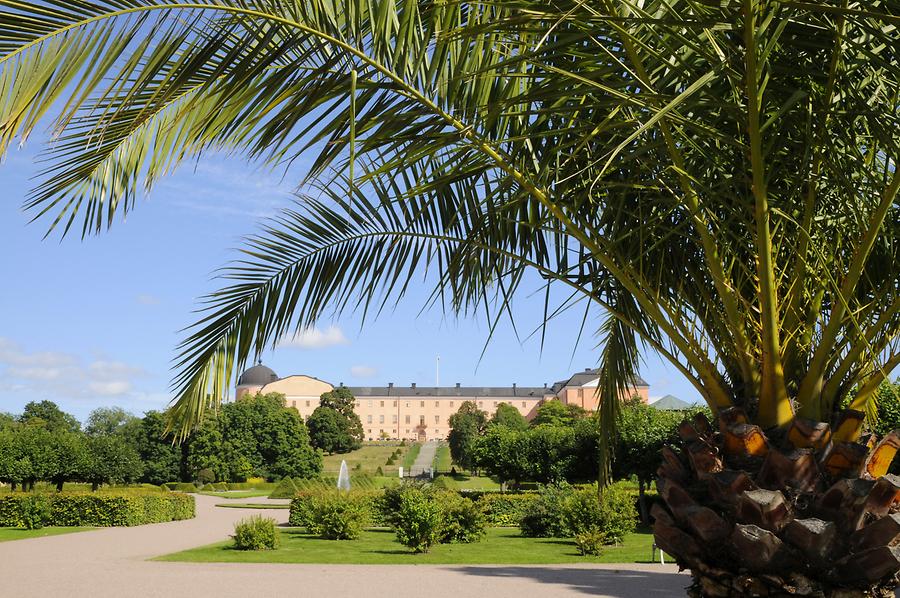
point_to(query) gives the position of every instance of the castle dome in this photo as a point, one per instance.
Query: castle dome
(258, 375)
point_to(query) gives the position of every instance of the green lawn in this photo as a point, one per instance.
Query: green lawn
(442, 461)
(8, 534)
(233, 494)
(370, 457)
(252, 505)
(471, 482)
(375, 547)
(409, 457)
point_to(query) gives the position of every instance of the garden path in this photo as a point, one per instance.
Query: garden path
(112, 562)
(424, 459)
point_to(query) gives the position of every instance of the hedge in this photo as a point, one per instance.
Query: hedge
(500, 509)
(289, 487)
(98, 509)
(301, 501)
(503, 510)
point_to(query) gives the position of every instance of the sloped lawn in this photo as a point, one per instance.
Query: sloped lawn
(8, 534)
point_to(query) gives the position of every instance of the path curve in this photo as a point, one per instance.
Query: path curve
(112, 562)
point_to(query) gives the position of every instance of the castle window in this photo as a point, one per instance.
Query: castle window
(437, 403)
(437, 419)
(451, 403)
(369, 420)
(421, 403)
(307, 403)
(523, 404)
(407, 421)
(382, 403)
(380, 419)
(394, 419)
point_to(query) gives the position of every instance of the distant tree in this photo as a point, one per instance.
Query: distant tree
(105, 421)
(7, 420)
(550, 453)
(110, 460)
(642, 430)
(348, 435)
(509, 417)
(50, 416)
(66, 458)
(160, 456)
(256, 436)
(339, 399)
(466, 425)
(329, 431)
(887, 397)
(501, 453)
(556, 413)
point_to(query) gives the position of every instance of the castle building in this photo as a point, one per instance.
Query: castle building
(423, 412)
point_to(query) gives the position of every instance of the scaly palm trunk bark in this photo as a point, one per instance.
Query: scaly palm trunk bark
(801, 512)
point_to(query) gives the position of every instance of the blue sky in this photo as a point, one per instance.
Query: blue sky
(95, 322)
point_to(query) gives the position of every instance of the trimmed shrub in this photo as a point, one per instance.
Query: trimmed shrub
(332, 514)
(379, 471)
(35, 511)
(463, 520)
(96, 509)
(185, 487)
(504, 510)
(286, 488)
(590, 543)
(546, 517)
(255, 533)
(206, 476)
(417, 520)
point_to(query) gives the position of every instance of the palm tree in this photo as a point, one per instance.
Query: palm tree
(719, 177)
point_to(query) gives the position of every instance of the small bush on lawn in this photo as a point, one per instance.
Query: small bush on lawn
(332, 514)
(418, 519)
(561, 512)
(185, 487)
(255, 533)
(590, 543)
(545, 517)
(463, 520)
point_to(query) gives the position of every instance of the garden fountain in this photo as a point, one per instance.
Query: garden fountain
(343, 481)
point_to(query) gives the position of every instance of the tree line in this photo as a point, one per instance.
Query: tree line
(254, 437)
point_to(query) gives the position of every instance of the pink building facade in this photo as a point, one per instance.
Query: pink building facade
(422, 412)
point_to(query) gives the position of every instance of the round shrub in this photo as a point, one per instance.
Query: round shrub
(545, 516)
(332, 514)
(444, 483)
(255, 533)
(35, 511)
(462, 521)
(417, 520)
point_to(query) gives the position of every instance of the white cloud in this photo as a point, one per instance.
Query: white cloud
(110, 389)
(146, 299)
(363, 371)
(314, 338)
(56, 374)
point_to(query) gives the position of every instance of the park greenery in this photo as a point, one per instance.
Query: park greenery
(254, 437)
(334, 426)
(716, 182)
(255, 533)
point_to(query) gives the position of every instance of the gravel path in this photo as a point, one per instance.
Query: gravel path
(424, 459)
(112, 562)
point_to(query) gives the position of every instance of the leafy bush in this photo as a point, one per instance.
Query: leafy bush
(332, 514)
(590, 542)
(618, 515)
(185, 487)
(562, 512)
(418, 519)
(255, 533)
(97, 509)
(546, 517)
(503, 510)
(35, 511)
(463, 520)
(206, 476)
